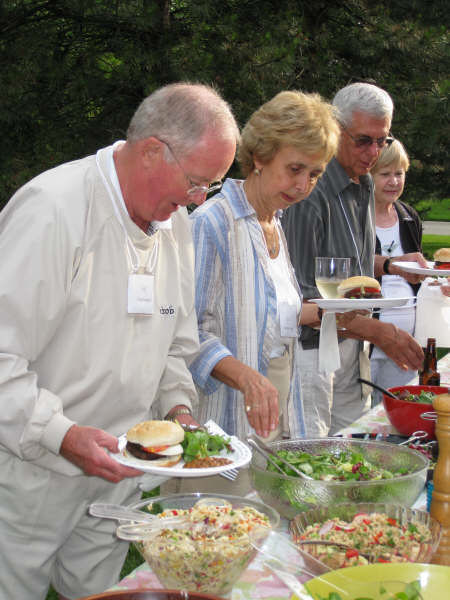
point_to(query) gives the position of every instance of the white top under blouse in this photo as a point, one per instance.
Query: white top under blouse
(286, 293)
(395, 286)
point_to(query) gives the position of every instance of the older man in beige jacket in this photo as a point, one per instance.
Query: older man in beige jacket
(97, 321)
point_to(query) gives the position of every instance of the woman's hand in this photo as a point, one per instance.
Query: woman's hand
(411, 257)
(260, 396)
(261, 403)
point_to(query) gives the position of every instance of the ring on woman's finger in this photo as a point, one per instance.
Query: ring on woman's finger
(248, 408)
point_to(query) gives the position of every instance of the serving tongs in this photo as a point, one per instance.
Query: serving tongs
(378, 387)
(415, 437)
(267, 452)
(136, 524)
(136, 518)
(136, 532)
(289, 563)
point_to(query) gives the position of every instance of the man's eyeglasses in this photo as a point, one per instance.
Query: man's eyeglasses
(364, 141)
(195, 189)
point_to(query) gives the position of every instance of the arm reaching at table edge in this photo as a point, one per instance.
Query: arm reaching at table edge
(397, 344)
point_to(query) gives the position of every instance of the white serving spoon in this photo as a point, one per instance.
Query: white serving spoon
(123, 513)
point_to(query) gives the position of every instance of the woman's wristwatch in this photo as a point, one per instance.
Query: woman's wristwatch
(386, 264)
(183, 410)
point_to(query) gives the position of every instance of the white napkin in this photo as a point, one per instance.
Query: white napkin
(215, 429)
(329, 356)
(149, 481)
(432, 313)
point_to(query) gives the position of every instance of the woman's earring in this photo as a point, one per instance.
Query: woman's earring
(257, 171)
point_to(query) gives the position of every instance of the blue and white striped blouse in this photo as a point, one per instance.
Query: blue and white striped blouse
(236, 306)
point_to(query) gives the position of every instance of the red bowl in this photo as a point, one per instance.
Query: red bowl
(406, 416)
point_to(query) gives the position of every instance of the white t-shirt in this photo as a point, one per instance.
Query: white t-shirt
(286, 293)
(395, 286)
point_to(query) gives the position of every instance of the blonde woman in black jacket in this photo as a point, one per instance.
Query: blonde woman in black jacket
(399, 232)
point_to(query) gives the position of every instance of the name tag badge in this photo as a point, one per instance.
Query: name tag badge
(140, 294)
(288, 320)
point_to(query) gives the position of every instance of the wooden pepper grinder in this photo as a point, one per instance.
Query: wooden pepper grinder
(440, 502)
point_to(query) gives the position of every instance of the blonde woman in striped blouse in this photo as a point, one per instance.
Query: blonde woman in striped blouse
(247, 298)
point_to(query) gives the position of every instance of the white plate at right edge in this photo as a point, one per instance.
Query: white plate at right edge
(413, 267)
(342, 304)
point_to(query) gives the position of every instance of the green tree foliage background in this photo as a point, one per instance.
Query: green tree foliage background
(73, 71)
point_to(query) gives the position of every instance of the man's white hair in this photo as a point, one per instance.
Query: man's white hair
(362, 97)
(180, 114)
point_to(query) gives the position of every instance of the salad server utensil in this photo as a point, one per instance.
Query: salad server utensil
(289, 580)
(123, 513)
(135, 532)
(267, 456)
(119, 512)
(378, 387)
(289, 563)
(414, 437)
(265, 450)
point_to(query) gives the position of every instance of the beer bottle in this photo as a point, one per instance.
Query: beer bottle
(429, 375)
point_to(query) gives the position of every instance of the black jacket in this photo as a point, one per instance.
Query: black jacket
(410, 229)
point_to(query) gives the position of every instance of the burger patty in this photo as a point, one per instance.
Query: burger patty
(137, 451)
(367, 293)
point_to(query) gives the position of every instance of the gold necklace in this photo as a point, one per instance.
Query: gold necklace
(272, 242)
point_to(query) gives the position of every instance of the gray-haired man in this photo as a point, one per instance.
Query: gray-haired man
(337, 219)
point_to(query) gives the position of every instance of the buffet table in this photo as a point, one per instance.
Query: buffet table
(258, 582)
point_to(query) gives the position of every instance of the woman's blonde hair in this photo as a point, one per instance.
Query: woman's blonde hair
(291, 118)
(394, 154)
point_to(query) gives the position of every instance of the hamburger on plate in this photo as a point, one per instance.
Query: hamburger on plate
(158, 441)
(359, 287)
(442, 258)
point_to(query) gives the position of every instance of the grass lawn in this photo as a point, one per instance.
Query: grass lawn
(438, 211)
(431, 243)
(433, 210)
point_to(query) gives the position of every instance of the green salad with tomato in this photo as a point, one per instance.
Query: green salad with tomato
(200, 444)
(422, 398)
(346, 465)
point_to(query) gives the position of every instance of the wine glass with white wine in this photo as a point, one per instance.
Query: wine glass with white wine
(329, 272)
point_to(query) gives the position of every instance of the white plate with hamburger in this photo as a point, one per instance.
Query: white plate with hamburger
(359, 292)
(161, 441)
(414, 267)
(343, 304)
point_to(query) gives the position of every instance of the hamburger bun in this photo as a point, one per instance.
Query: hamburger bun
(442, 258)
(359, 286)
(156, 433)
(156, 441)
